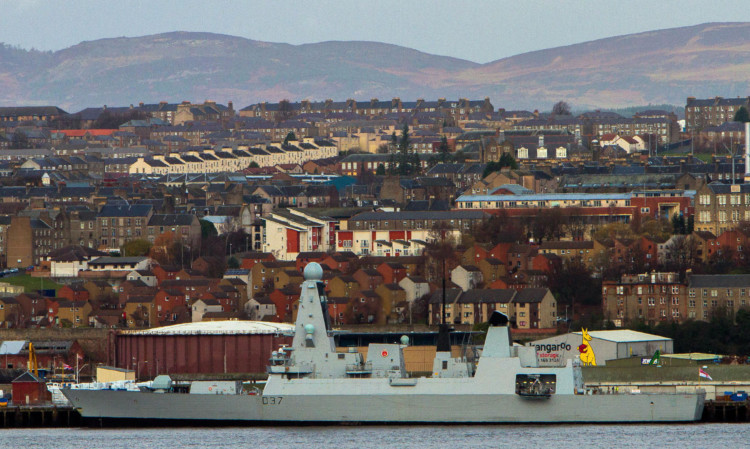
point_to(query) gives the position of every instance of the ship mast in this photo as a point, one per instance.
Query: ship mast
(443, 340)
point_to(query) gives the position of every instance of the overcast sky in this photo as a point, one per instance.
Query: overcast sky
(479, 31)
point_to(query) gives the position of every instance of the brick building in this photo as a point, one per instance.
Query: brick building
(656, 297)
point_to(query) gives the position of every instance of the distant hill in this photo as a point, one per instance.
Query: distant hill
(663, 66)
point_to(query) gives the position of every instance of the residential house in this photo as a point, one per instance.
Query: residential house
(203, 306)
(414, 287)
(251, 258)
(69, 260)
(393, 303)
(11, 314)
(720, 207)
(260, 308)
(467, 277)
(535, 308)
(118, 224)
(263, 274)
(74, 292)
(492, 269)
(284, 300)
(392, 272)
(75, 313)
(368, 278)
(140, 311)
(343, 286)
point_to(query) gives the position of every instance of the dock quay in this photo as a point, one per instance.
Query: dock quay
(38, 416)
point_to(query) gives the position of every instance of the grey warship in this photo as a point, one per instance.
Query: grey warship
(310, 382)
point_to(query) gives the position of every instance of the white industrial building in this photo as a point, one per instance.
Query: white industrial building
(606, 345)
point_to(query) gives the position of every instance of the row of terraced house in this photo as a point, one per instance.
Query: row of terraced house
(235, 159)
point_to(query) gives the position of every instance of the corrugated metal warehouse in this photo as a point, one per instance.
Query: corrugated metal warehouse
(209, 347)
(606, 345)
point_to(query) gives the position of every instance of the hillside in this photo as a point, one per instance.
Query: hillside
(662, 66)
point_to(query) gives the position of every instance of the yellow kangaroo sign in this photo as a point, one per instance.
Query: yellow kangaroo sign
(587, 354)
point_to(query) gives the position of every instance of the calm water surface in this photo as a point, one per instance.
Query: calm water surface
(723, 436)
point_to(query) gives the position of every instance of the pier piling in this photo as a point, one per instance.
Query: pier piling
(39, 416)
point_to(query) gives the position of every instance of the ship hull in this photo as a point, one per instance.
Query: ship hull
(140, 408)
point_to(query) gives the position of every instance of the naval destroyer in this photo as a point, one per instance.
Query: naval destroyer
(311, 382)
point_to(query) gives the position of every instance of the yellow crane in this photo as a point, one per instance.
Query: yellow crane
(32, 360)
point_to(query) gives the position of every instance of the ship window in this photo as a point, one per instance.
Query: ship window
(341, 356)
(536, 384)
(445, 364)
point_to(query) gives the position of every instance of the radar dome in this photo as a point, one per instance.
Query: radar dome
(313, 272)
(309, 328)
(404, 340)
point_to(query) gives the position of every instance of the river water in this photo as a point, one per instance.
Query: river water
(723, 436)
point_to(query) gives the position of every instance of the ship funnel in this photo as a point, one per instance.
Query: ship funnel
(497, 343)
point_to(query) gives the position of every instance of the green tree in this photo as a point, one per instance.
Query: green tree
(405, 160)
(207, 229)
(254, 164)
(135, 248)
(506, 160)
(444, 149)
(742, 115)
(290, 137)
(233, 263)
(405, 141)
(381, 170)
(678, 224)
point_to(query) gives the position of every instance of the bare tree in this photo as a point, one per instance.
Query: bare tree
(681, 253)
(285, 111)
(441, 253)
(561, 108)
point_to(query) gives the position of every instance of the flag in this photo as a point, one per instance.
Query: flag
(702, 373)
(80, 356)
(66, 366)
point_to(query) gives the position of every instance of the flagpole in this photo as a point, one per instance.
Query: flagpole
(77, 368)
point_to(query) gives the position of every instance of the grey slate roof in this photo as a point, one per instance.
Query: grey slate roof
(530, 295)
(475, 296)
(421, 215)
(450, 296)
(718, 280)
(171, 220)
(136, 210)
